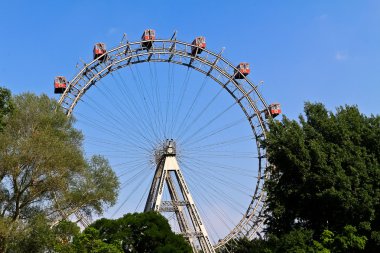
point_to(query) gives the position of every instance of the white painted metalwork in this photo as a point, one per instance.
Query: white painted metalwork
(216, 67)
(181, 200)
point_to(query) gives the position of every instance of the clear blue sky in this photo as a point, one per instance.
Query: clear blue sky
(319, 51)
(327, 51)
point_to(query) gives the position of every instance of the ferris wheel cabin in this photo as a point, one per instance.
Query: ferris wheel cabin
(243, 70)
(60, 84)
(199, 43)
(147, 37)
(275, 109)
(100, 52)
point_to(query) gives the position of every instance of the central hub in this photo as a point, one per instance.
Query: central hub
(168, 148)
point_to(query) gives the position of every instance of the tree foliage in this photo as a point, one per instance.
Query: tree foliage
(325, 174)
(43, 171)
(144, 232)
(91, 242)
(38, 236)
(302, 241)
(6, 105)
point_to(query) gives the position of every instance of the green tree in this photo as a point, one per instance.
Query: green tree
(138, 232)
(93, 190)
(43, 169)
(6, 105)
(349, 241)
(37, 235)
(64, 232)
(34, 236)
(91, 242)
(301, 241)
(325, 174)
(243, 245)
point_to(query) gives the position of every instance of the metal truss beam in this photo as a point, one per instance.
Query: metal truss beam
(181, 198)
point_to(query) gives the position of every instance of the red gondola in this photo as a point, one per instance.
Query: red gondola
(60, 84)
(100, 51)
(148, 36)
(243, 70)
(275, 109)
(199, 44)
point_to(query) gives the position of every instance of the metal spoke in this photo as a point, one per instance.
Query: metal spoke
(140, 114)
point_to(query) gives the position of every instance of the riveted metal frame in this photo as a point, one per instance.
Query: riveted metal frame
(213, 65)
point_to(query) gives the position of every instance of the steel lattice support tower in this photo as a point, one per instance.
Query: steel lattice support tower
(181, 202)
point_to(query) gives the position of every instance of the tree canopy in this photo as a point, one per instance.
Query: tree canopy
(137, 232)
(43, 170)
(325, 174)
(5, 105)
(145, 232)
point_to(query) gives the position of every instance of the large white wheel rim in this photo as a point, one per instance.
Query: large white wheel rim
(214, 66)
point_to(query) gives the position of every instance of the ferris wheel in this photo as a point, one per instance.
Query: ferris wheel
(183, 129)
